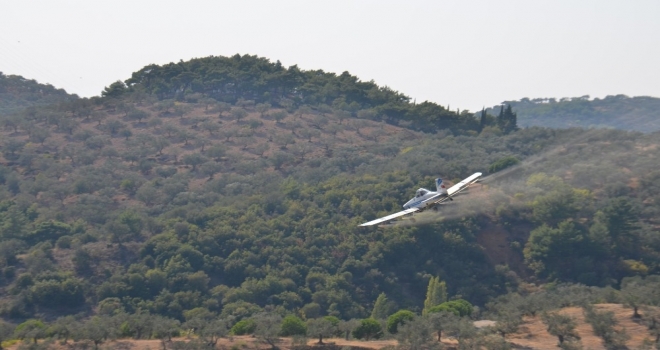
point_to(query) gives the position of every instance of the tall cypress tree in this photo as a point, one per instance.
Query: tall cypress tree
(500, 119)
(483, 120)
(381, 308)
(436, 294)
(510, 120)
(507, 120)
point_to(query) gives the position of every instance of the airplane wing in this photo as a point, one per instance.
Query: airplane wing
(456, 189)
(463, 184)
(390, 217)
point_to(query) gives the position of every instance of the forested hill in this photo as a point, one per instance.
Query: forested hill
(619, 112)
(252, 78)
(18, 93)
(205, 188)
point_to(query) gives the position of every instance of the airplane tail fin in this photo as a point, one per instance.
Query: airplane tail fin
(439, 185)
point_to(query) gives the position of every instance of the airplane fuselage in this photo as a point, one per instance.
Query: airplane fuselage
(424, 198)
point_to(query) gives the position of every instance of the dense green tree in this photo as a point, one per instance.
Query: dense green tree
(115, 90)
(30, 329)
(458, 307)
(549, 252)
(292, 325)
(557, 205)
(621, 221)
(503, 163)
(397, 319)
(244, 327)
(48, 231)
(14, 222)
(68, 292)
(368, 329)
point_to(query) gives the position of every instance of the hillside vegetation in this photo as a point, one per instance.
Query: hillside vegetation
(615, 112)
(230, 189)
(18, 93)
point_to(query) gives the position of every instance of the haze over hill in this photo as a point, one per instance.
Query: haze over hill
(618, 112)
(223, 188)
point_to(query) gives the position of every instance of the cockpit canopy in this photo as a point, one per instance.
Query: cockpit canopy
(420, 192)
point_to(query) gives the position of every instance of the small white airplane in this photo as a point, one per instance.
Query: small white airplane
(425, 199)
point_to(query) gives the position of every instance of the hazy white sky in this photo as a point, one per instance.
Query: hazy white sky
(466, 54)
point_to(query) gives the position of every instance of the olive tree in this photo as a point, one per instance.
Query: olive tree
(321, 327)
(561, 326)
(417, 334)
(268, 326)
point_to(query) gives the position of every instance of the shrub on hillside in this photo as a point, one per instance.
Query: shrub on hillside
(244, 327)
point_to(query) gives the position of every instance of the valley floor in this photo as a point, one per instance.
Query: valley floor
(532, 334)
